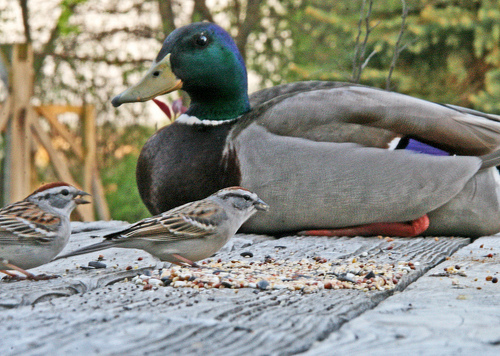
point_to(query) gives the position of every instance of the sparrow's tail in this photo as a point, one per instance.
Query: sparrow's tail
(490, 160)
(92, 248)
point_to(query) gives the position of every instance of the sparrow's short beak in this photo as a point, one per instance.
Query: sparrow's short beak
(260, 205)
(78, 199)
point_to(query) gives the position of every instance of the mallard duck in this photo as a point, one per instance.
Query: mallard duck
(319, 153)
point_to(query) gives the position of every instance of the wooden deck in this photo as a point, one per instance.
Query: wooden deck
(431, 311)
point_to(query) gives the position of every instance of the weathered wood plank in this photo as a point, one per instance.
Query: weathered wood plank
(442, 313)
(88, 312)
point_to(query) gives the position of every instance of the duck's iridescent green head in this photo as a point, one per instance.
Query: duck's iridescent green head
(203, 60)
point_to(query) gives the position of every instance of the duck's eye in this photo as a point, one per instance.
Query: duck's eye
(156, 73)
(201, 40)
(64, 192)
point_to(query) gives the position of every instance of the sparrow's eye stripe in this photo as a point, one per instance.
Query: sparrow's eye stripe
(232, 195)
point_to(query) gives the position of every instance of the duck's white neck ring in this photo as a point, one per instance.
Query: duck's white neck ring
(193, 120)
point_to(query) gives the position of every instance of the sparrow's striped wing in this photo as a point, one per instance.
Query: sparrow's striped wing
(27, 224)
(189, 221)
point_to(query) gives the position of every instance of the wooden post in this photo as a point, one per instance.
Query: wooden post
(5, 111)
(89, 144)
(18, 166)
(99, 198)
(91, 180)
(89, 150)
(21, 121)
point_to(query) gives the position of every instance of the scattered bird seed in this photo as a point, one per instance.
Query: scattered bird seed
(494, 279)
(306, 275)
(87, 267)
(370, 275)
(97, 264)
(263, 284)
(155, 282)
(268, 259)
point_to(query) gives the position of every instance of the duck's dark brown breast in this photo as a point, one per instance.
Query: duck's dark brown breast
(181, 163)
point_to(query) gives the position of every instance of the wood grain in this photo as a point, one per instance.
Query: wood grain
(94, 311)
(441, 313)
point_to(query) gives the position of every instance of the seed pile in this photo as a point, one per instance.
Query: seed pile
(306, 275)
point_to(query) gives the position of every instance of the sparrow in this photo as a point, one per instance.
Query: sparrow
(188, 233)
(36, 229)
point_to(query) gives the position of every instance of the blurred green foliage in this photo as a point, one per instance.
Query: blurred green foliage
(120, 148)
(121, 190)
(67, 9)
(451, 47)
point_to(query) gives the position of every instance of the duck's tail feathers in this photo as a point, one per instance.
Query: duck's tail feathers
(490, 160)
(92, 248)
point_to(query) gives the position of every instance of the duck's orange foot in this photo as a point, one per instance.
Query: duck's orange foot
(400, 229)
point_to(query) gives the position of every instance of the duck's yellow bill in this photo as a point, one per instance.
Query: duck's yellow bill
(158, 80)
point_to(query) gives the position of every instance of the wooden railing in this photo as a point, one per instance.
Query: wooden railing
(26, 134)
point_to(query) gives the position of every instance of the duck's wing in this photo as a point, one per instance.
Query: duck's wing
(341, 112)
(329, 185)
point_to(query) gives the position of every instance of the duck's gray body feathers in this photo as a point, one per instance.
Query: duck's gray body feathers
(328, 146)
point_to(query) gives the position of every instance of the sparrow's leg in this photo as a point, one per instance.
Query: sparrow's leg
(28, 275)
(8, 273)
(400, 229)
(20, 270)
(185, 260)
